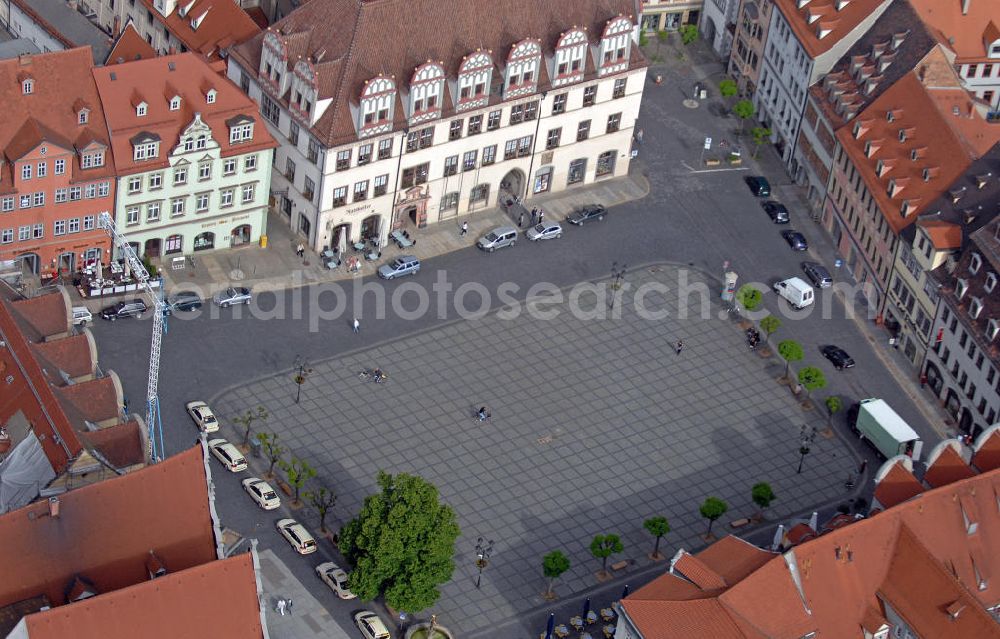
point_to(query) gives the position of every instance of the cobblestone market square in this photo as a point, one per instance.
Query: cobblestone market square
(596, 425)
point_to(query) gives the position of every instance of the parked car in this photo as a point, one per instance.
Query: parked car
(585, 214)
(229, 455)
(544, 231)
(297, 536)
(402, 265)
(81, 315)
(759, 185)
(232, 296)
(131, 308)
(776, 210)
(838, 357)
(183, 301)
(261, 492)
(795, 240)
(817, 274)
(370, 625)
(335, 577)
(498, 238)
(203, 416)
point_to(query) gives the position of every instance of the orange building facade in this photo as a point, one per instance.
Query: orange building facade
(56, 168)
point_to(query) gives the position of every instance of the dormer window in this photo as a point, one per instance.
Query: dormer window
(522, 68)
(240, 129)
(857, 130)
(975, 262)
(569, 54)
(210, 96)
(28, 86)
(377, 100)
(83, 116)
(426, 90)
(991, 282)
(92, 160)
(145, 146)
(474, 76)
(992, 329)
(975, 307)
(615, 44)
(902, 135)
(140, 109)
(175, 103)
(961, 286)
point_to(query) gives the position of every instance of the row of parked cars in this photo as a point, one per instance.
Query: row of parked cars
(795, 290)
(180, 301)
(266, 497)
(502, 237)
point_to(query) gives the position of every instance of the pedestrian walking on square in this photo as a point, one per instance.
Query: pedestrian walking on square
(679, 347)
(534, 216)
(357, 325)
(465, 228)
(862, 467)
(300, 250)
(290, 602)
(541, 215)
(638, 136)
(520, 220)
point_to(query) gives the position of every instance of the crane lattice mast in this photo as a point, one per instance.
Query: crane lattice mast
(141, 275)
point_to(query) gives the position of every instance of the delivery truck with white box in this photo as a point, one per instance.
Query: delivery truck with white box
(875, 422)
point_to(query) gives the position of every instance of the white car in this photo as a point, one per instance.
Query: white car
(203, 416)
(228, 454)
(544, 231)
(297, 536)
(232, 296)
(262, 493)
(335, 577)
(81, 315)
(370, 625)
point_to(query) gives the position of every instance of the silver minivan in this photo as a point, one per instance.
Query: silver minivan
(818, 274)
(498, 238)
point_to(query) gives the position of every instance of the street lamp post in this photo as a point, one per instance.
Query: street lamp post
(806, 436)
(483, 552)
(302, 372)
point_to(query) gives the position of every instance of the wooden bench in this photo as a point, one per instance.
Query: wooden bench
(713, 162)
(740, 523)
(621, 565)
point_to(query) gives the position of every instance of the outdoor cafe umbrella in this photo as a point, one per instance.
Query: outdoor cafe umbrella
(586, 609)
(552, 625)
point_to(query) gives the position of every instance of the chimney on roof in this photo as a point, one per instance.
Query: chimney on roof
(956, 194)
(54, 507)
(965, 7)
(897, 39)
(983, 180)
(24, 59)
(956, 607)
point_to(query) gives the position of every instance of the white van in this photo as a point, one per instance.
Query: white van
(796, 291)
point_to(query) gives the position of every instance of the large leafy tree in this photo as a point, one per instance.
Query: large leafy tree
(402, 543)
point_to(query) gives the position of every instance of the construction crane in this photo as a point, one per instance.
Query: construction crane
(141, 275)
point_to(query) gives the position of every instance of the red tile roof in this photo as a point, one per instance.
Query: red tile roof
(987, 454)
(122, 445)
(349, 43)
(104, 532)
(966, 33)
(223, 25)
(944, 235)
(47, 315)
(130, 46)
(896, 486)
(218, 599)
(73, 355)
(945, 466)
(698, 573)
(839, 582)
(155, 81)
(95, 401)
(918, 129)
(819, 24)
(57, 75)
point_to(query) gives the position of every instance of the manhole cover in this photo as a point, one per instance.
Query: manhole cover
(691, 104)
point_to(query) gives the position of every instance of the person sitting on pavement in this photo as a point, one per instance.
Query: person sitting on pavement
(483, 414)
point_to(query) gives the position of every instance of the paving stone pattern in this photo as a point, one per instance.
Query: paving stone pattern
(597, 425)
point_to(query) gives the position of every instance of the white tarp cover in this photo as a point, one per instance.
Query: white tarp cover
(24, 472)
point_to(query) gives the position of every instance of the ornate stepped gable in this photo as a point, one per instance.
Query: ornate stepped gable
(388, 64)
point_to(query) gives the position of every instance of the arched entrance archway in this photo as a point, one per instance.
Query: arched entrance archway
(204, 241)
(371, 228)
(29, 263)
(152, 248)
(512, 186)
(240, 235)
(339, 237)
(411, 209)
(710, 31)
(934, 379)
